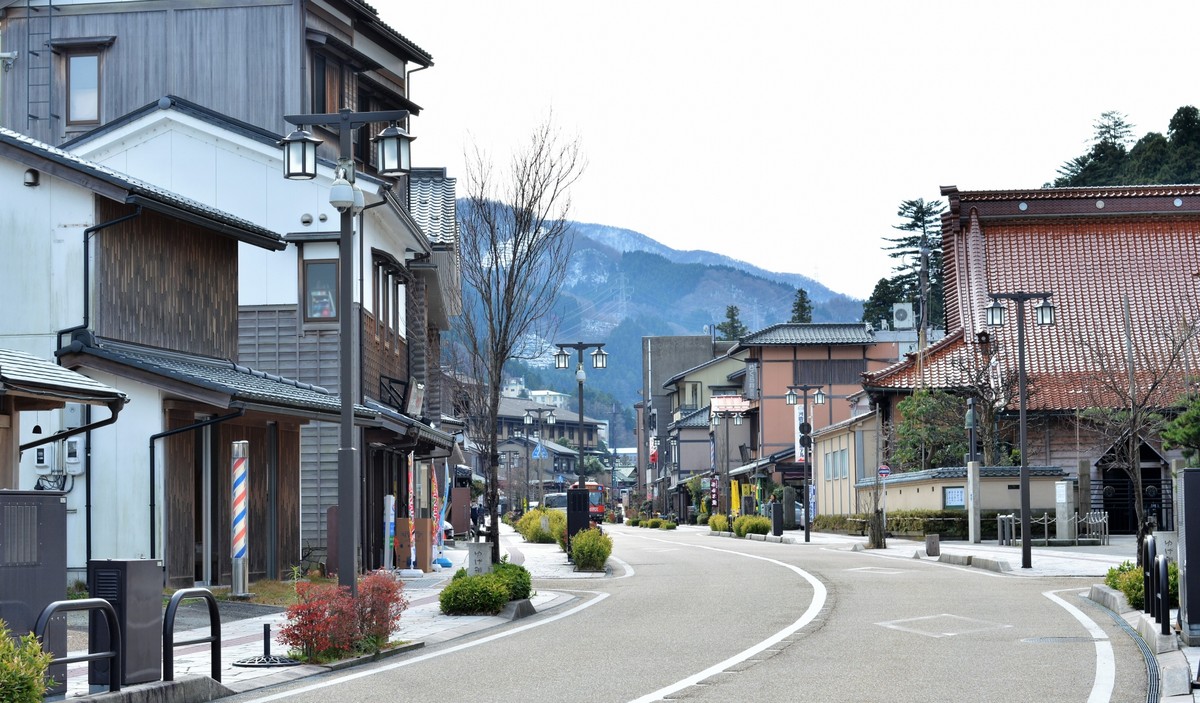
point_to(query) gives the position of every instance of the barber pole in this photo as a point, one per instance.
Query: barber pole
(240, 510)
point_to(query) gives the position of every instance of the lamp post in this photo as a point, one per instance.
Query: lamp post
(805, 442)
(562, 360)
(736, 416)
(530, 413)
(300, 163)
(676, 504)
(995, 318)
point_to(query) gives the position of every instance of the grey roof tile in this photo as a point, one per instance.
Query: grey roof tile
(432, 203)
(18, 370)
(823, 333)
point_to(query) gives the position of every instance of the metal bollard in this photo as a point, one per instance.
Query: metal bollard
(1149, 552)
(1163, 594)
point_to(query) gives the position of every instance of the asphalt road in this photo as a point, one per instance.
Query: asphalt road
(701, 618)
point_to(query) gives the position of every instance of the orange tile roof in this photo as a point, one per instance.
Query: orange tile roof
(1094, 249)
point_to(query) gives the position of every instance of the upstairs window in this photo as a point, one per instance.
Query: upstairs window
(329, 84)
(320, 290)
(83, 88)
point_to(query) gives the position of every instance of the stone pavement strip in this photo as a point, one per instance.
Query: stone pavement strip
(423, 623)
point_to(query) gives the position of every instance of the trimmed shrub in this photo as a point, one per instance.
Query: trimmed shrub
(633, 521)
(485, 594)
(23, 667)
(378, 607)
(718, 523)
(653, 523)
(1127, 578)
(321, 624)
(702, 519)
(751, 524)
(667, 525)
(590, 550)
(516, 579)
(530, 525)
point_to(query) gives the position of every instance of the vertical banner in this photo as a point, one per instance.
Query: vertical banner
(735, 499)
(412, 516)
(239, 510)
(798, 418)
(389, 530)
(439, 533)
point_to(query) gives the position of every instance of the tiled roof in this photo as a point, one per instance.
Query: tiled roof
(822, 333)
(432, 198)
(21, 371)
(1097, 250)
(516, 407)
(960, 472)
(223, 376)
(697, 418)
(148, 194)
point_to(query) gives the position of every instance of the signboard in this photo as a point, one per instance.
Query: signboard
(729, 404)
(798, 418)
(954, 498)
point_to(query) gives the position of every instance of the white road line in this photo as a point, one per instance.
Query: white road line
(1106, 665)
(432, 655)
(818, 602)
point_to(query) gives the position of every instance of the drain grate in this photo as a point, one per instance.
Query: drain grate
(266, 659)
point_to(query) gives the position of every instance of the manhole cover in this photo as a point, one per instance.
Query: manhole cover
(266, 661)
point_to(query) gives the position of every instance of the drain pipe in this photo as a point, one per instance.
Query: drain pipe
(168, 433)
(87, 235)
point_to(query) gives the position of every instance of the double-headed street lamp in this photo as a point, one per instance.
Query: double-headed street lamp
(530, 413)
(300, 163)
(995, 318)
(562, 360)
(736, 416)
(803, 438)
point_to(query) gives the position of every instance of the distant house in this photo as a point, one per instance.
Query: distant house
(1120, 265)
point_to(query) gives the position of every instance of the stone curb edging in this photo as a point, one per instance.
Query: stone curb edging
(368, 658)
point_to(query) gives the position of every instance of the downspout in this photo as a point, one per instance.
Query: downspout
(87, 234)
(168, 433)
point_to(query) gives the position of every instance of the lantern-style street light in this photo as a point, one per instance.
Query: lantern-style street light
(803, 430)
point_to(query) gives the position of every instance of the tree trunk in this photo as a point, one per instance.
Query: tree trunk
(876, 538)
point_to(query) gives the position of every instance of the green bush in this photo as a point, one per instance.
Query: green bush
(702, 519)
(590, 550)
(718, 523)
(667, 525)
(653, 523)
(751, 524)
(1128, 579)
(23, 667)
(530, 525)
(485, 594)
(633, 521)
(516, 578)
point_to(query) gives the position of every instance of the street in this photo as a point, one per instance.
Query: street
(688, 615)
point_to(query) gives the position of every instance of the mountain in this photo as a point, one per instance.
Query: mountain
(623, 285)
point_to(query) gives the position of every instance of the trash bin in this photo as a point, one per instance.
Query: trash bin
(933, 545)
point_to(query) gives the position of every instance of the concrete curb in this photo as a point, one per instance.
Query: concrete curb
(1110, 598)
(999, 565)
(1175, 676)
(368, 658)
(184, 689)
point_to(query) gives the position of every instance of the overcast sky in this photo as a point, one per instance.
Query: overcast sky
(786, 133)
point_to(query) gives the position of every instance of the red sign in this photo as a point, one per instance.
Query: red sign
(885, 471)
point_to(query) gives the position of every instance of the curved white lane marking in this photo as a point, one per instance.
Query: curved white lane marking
(432, 655)
(1106, 665)
(818, 602)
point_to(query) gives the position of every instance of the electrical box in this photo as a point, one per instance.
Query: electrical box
(44, 460)
(73, 455)
(72, 416)
(134, 588)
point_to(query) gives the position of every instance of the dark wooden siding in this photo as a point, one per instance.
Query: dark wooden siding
(165, 283)
(384, 354)
(180, 505)
(269, 340)
(191, 48)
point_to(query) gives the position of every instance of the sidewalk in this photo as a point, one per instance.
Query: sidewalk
(421, 624)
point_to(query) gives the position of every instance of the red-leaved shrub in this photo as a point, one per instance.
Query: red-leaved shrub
(326, 623)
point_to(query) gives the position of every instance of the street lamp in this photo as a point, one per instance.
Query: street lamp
(805, 428)
(300, 163)
(675, 502)
(562, 360)
(995, 318)
(736, 416)
(528, 420)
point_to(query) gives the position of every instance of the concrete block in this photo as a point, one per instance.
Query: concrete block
(918, 554)
(1175, 676)
(1110, 598)
(858, 547)
(956, 559)
(991, 564)
(184, 689)
(1151, 632)
(517, 609)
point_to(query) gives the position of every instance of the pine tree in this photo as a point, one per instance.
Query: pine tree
(732, 327)
(802, 308)
(922, 246)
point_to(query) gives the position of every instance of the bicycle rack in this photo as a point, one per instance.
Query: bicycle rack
(169, 643)
(114, 635)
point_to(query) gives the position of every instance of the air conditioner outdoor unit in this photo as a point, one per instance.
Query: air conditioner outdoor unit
(902, 316)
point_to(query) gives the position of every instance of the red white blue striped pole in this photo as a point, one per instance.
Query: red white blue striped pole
(240, 510)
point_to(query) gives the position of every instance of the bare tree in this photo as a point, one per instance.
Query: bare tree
(516, 245)
(994, 387)
(1130, 396)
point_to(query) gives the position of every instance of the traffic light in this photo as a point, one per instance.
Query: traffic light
(805, 438)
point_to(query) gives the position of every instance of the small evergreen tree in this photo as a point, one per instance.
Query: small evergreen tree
(732, 327)
(802, 308)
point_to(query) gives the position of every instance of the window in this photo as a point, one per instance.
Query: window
(83, 88)
(328, 86)
(320, 290)
(389, 292)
